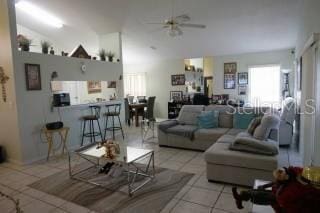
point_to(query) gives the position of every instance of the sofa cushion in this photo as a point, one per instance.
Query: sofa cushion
(164, 125)
(242, 120)
(183, 130)
(189, 113)
(208, 119)
(226, 139)
(235, 131)
(254, 124)
(247, 143)
(268, 122)
(219, 153)
(225, 114)
(210, 134)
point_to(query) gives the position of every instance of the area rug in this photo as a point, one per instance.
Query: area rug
(113, 196)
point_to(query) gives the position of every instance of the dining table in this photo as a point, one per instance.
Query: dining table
(137, 108)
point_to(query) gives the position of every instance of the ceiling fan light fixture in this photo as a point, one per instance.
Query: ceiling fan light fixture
(173, 33)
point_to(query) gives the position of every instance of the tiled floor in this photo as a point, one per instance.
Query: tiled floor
(198, 195)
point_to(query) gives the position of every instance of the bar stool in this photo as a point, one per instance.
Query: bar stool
(95, 116)
(113, 111)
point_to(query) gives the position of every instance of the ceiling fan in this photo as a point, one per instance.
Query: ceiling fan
(174, 25)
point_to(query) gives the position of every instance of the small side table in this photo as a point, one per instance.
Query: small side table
(63, 132)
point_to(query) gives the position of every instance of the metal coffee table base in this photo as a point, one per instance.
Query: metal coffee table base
(131, 168)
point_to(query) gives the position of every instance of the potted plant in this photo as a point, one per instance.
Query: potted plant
(110, 56)
(45, 46)
(24, 43)
(102, 54)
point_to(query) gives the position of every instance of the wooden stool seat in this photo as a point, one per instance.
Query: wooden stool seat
(90, 117)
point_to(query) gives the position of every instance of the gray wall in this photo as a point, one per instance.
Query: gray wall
(34, 106)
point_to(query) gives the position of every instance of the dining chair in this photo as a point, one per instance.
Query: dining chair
(141, 99)
(148, 121)
(130, 99)
(128, 112)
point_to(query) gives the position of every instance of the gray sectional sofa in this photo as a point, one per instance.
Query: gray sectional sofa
(223, 164)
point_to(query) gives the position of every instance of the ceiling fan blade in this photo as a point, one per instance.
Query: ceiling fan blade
(200, 26)
(156, 23)
(182, 18)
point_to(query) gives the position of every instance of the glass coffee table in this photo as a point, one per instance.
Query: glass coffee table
(128, 158)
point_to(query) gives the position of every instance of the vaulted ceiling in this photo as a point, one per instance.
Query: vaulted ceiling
(233, 26)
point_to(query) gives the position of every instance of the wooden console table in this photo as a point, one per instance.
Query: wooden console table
(63, 132)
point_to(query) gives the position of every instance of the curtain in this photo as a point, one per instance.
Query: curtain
(134, 84)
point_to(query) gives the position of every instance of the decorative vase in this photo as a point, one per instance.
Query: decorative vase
(110, 59)
(102, 58)
(51, 51)
(45, 50)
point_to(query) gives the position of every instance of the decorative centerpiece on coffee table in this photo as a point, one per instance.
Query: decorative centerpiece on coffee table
(112, 149)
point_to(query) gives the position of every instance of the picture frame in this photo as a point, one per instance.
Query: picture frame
(242, 90)
(230, 70)
(94, 87)
(177, 80)
(229, 81)
(176, 95)
(242, 78)
(111, 84)
(33, 76)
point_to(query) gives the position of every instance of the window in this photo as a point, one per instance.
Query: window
(264, 82)
(134, 84)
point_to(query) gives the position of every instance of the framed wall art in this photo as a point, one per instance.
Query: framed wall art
(176, 95)
(33, 76)
(94, 87)
(242, 90)
(242, 78)
(177, 80)
(230, 70)
(112, 84)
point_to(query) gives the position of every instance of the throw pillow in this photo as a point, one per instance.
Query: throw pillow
(208, 119)
(268, 122)
(242, 120)
(254, 124)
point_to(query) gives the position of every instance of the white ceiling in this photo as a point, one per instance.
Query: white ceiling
(233, 26)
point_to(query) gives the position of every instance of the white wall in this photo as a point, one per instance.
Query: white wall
(34, 106)
(309, 22)
(282, 57)
(9, 132)
(37, 38)
(110, 42)
(159, 81)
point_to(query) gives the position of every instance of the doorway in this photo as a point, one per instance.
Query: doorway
(208, 86)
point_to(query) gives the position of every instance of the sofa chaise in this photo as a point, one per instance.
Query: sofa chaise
(223, 164)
